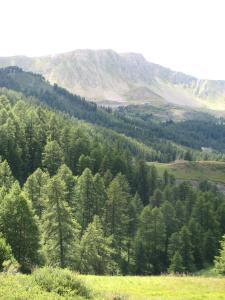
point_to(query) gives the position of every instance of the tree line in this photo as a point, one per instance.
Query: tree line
(160, 136)
(73, 196)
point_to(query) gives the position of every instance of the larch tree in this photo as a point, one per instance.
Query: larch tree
(85, 199)
(52, 157)
(152, 235)
(19, 226)
(96, 250)
(65, 174)
(60, 229)
(36, 189)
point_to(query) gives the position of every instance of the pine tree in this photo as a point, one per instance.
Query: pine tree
(169, 217)
(96, 250)
(100, 196)
(220, 259)
(52, 157)
(156, 199)
(118, 217)
(153, 180)
(84, 162)
(186, 250)
(60, 230)
(152, 235)
(181, 242)
(35, 188)
(197, 240)
(65, 174)
(108, 177)
(211, 245)
(176, 265)
(180, 213)
(143, 180)
(6, 177)
(85, 199)
(165, 177)
(137, 207)
(19, 226)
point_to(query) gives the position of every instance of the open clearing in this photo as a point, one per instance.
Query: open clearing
(193, 170)
(157, 287)
(122, 288)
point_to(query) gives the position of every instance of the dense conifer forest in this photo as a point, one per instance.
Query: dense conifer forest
(170, 140)
(79, 195)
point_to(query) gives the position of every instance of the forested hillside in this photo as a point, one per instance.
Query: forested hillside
(201, 131)
(80, 196)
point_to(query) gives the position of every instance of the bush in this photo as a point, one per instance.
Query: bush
(11, 266)
(5, 252)
(60, 281)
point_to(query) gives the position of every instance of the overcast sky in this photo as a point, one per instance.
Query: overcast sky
(185, 35)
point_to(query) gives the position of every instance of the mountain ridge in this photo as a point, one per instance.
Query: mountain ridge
(104, 75)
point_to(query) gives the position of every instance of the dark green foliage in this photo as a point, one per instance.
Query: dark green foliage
(85, 205)
(36, 188)
(220, 259)
(52, 157)
(66, 175)
(151, 236)
(6, 177)
(181, 242)
(96, 250)
(60, 230)
(19, 226)
(176, 265)
(118, 219)
(90, 197)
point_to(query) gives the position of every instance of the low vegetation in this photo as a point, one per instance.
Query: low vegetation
(57, 284)
(193, 170)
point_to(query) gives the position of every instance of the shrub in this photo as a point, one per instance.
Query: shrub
(5, 252)
(119, 297)
(11, 266)
(60, 281)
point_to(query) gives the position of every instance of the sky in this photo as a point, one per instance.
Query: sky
(184, 35)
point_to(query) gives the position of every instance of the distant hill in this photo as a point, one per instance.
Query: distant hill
(147, 125)
(109, 77)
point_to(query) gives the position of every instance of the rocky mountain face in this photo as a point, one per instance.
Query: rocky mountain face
(109, 77)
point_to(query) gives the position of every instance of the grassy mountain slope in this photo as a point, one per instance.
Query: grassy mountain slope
(104, 75)
(194, 170)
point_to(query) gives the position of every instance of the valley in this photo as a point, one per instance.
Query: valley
(112, 150)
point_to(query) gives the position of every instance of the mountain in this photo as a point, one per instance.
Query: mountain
(108, 77)
(164, 138)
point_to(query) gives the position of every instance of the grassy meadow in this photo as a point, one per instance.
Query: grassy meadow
(157, 287)
(194, 170)
(24, 287)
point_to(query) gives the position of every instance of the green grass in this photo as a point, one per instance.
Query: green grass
(194, 170)
(22, 287)
(207, 272)
(157, 288)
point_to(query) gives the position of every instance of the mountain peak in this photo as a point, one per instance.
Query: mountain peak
(105, 75)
